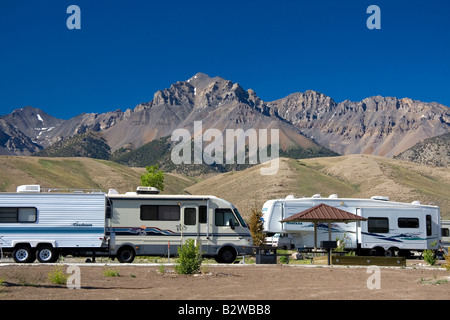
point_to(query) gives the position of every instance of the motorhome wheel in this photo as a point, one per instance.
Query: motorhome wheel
(126, 255)
(226, 255)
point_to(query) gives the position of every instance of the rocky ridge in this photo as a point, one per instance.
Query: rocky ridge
(377, 125)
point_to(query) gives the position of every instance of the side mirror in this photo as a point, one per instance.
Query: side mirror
(230, 223)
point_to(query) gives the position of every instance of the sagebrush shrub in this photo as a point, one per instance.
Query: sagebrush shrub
(189, 258)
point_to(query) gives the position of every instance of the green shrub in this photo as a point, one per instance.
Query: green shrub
(447, 261)
(57, 276)
(189, 258)
(429, 256)
(111, 273)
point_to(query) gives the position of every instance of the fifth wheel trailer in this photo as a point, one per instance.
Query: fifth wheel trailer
(392, 227)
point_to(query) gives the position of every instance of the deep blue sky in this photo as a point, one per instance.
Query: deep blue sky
(127, 50)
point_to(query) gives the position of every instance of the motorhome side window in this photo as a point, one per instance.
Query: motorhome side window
(408, 222)
(189, 216)
(12, 215)
(223, 217)
(378, 225)
(202, 212)
(160, 213)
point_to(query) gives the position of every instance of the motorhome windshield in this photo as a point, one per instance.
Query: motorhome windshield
(238, 215)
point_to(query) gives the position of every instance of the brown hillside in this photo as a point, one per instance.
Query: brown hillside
(348, 176)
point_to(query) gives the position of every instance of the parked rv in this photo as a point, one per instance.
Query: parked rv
(391, 227)
(143, 223)
(46, 223)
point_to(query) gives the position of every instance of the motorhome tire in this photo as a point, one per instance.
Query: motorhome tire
(226, 255)
(46, 254)
(23, 254)
(126, 255)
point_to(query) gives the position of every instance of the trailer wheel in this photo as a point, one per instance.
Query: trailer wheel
(23, 254)
(126, 255)
(47, 254)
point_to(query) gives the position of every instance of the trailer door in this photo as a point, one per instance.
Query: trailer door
(189, 222)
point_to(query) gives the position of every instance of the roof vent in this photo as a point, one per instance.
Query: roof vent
(417, 202)
(113, 192)
(381, 198)
(333, 196)
(30, 188)
(147, 190)
(291, 196)
(317, 195)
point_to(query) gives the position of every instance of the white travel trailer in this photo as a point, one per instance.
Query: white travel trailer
(392, 227)
(43, 224)
(142, 223)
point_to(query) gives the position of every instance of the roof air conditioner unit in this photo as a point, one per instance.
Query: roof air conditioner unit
(382, 198)
(147, 190)
(30, 188)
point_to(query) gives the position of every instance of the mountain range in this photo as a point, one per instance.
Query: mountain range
(309, 123)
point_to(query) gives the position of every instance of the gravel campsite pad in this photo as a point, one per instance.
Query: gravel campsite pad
(226, 282)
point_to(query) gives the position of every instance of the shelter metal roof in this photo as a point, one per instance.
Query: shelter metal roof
(324, 213)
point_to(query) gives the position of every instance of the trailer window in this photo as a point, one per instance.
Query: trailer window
(224, 216)
(160, 213)
(378, 225)
(429, 231)
(14, 215)
(408, 222)
(445, 232)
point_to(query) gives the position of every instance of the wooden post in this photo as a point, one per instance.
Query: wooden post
(329, 230)
(315, 236)
(329, 238)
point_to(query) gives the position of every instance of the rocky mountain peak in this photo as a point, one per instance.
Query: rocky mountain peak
(376, 125)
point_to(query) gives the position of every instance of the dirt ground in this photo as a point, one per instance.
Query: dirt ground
(225, 282)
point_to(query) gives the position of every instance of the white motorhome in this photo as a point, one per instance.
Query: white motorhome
(44, 223)
(143, 223)
(391, 228)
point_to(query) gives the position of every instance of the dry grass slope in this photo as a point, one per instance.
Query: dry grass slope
(77, 173)
(348, 176)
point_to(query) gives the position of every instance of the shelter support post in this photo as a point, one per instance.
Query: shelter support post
(315, 236)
